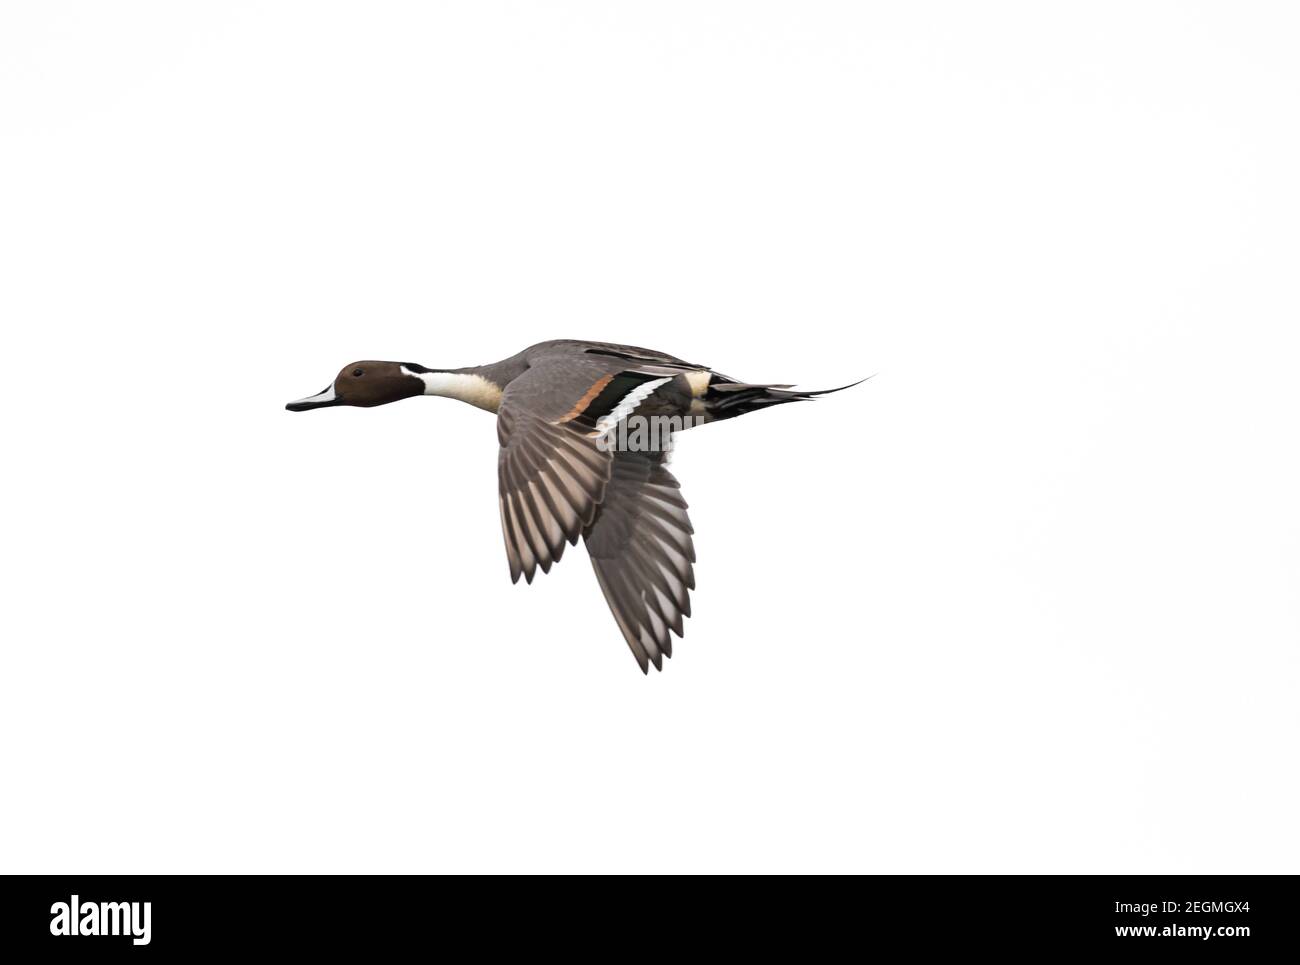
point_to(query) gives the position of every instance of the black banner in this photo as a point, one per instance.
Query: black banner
(95, 917)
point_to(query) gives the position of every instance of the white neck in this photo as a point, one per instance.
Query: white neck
(474, 389)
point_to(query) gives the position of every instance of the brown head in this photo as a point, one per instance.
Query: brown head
(366, 384)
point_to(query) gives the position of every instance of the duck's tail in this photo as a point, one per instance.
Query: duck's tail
(726, 400)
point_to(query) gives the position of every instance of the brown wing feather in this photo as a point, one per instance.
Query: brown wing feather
(640, 547)
(551, 478)
(555, 483)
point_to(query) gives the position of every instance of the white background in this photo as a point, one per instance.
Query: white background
(1026, 601)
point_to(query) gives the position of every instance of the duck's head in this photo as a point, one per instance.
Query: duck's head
(365, 384)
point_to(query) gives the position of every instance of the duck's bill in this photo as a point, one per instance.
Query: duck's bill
(317, 401)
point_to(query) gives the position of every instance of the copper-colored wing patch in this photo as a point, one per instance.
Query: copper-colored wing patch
(587, 398)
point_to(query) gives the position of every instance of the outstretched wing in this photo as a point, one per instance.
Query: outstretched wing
(551, 472)
(551, 476)
(640, 546)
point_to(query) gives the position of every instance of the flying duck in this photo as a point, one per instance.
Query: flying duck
(585, 430)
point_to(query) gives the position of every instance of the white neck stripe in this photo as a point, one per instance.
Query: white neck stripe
(474, 389)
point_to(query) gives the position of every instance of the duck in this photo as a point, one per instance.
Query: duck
(585, 432)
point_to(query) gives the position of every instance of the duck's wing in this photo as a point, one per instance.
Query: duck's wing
(640, 546)
(551, 472)
(557, 483)
(551, 475)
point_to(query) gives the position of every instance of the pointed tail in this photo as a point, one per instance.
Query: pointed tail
(726, 400)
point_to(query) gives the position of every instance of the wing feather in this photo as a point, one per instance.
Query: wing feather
(640, 547)
(557, 484)
(551, 477)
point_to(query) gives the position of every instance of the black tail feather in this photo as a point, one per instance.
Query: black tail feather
(729, 399)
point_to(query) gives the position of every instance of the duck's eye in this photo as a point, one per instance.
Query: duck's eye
(357, 373)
